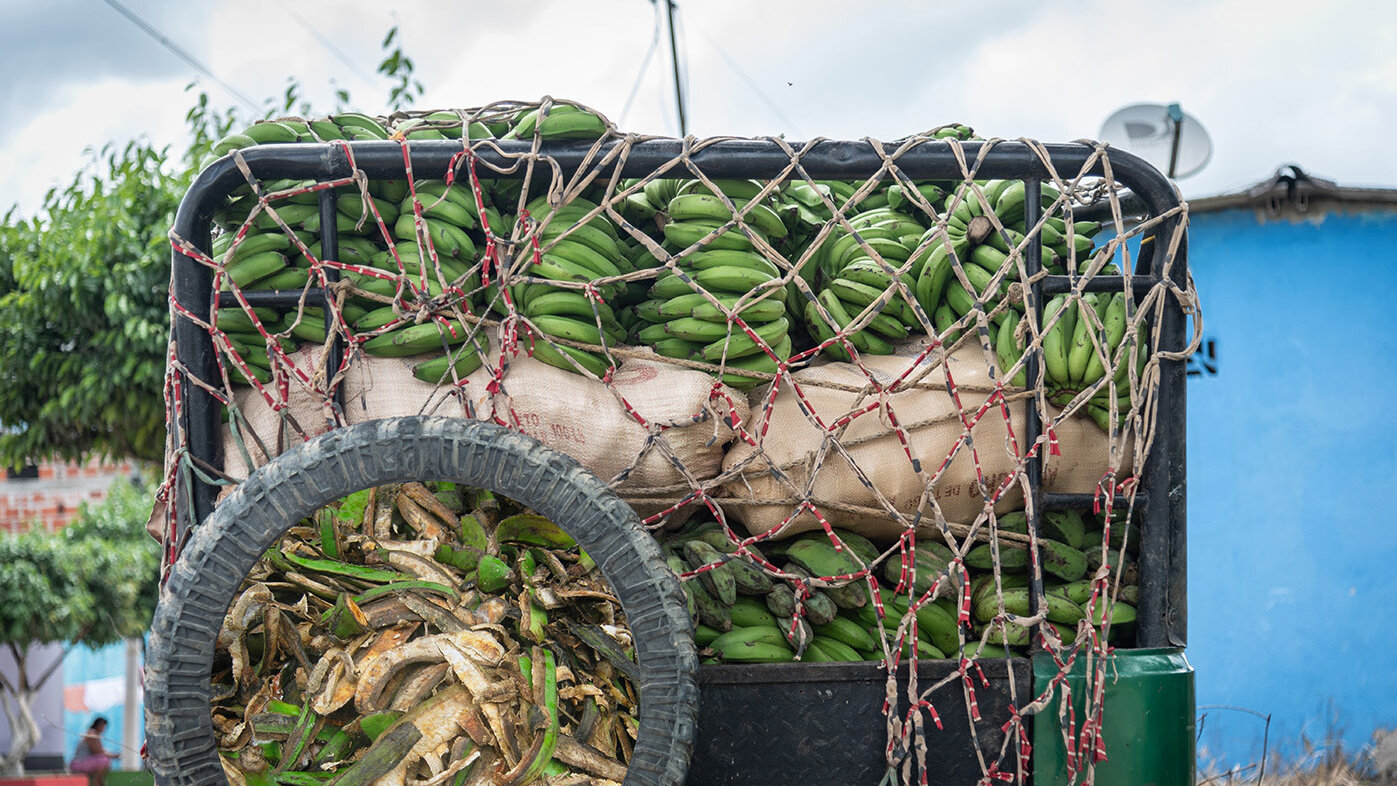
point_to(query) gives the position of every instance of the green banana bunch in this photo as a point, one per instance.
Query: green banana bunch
(687, 313)
(559, 121)
(880, 233)
(836, 327)
(843, 624)
(694, 215)
(1076, 352)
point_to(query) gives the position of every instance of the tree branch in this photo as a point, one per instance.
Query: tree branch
(20, 665)
(54, 666)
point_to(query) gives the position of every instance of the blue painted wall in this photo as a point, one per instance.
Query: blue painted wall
(1292, 450)
(94, 679)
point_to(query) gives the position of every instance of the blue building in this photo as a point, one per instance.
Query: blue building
(1292, 449)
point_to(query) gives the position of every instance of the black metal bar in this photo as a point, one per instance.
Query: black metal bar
(191, 286)
(281, 299)
(1140, 285)
(330, 249)
(729, 158)
(1054, 500)
(1162, 616)
(1033, 423)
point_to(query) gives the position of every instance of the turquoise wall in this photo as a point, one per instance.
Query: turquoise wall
(101, 673)
(1292, 450)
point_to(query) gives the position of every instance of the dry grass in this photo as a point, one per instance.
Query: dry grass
(1321, 765)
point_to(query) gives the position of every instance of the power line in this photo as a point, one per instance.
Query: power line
(755, 88)
(644, 64)
(330, 47)
(180, 52)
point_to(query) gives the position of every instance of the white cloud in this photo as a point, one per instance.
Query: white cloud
(54, 145)
(1273, 82)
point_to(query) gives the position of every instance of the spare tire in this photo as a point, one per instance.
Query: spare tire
(220, 553)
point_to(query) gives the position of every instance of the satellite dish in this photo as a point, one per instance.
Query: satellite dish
(1175, 143)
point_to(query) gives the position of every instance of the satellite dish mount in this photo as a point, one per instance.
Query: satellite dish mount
(1162, 134)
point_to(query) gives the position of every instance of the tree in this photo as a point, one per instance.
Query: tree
(83, 288)
(94, 583)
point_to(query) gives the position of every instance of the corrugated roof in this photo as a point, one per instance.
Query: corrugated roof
(1292, 190)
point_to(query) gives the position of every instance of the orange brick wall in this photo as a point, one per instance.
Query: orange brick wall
(53, 497)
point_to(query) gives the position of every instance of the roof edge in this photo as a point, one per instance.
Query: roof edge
(1292, 189)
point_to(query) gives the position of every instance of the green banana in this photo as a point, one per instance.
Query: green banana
(590, 236)
(285, 279)
(757, 633)
(707, 207)
(675, 347)
(417, 339)
(569, 125)
(735, 280)
(757, 652)
(1065, 526)
(252, 244)
(1061, 560)
(235, 320)
(1080, 351)
(749, 612)
(685, 234)
(739, 344)
(447, 239)
(781, 600)
(719, 581)
(559, 356)
(568, 328)
(1012, 559)
(847, 631)
(244, 272)
(734, 189)
(820, 608)
(585, 256)
(861, 296)
(1113, 323)
(1016, 601)
(230, 143)
(821, 331)
(837, 650)
(569, 303)
(358, 123)
(710, 612)
(723, 257)
(1008, 349)
(1055, 341)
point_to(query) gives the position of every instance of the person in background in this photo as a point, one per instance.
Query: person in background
(91, 758)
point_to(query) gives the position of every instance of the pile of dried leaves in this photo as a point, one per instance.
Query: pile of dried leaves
(425, 634)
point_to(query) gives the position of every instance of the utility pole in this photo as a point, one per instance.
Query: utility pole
(674, 57)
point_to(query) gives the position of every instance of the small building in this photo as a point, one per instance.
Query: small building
(89, 682)
(1292, 452)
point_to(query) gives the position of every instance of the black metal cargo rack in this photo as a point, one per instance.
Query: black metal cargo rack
(1160, 500)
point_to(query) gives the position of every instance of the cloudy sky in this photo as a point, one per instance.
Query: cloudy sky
(1273, 81)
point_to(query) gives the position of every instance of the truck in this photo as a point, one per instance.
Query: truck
(1064, 704)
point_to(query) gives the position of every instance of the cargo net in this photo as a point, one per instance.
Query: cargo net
(813, 391)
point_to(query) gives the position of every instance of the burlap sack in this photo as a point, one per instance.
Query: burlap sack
(673, 435)
(929, 414)
(266, 431)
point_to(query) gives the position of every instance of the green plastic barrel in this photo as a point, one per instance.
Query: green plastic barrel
(1148, 720)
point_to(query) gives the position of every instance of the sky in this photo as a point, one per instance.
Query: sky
(1274, 82)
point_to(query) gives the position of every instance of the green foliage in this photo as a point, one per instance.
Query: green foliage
(94, 582)
(83, 290)
(398, 67)
(83, 310)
